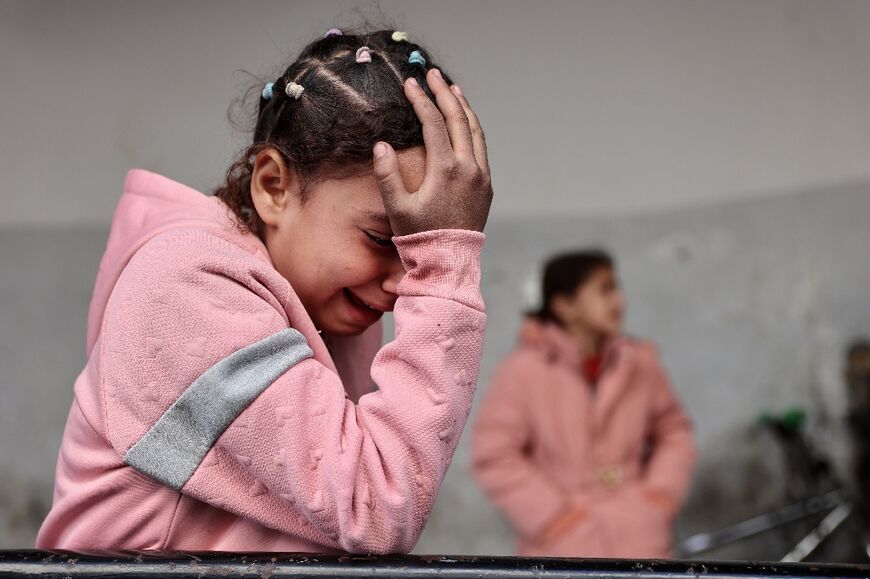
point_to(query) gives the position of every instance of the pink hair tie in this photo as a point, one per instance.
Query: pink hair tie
(333, 32)
(363, 54)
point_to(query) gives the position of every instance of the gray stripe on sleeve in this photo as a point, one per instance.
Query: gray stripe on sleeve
(173, 448)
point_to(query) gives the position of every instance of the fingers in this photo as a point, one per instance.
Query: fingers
(477, 137)
(454, 115)
(386, 170)
(435, 137)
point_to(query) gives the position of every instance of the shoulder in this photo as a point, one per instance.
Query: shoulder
(195, 248)
(192, 273)
(522, 365)
(196, 259)
(644, 351)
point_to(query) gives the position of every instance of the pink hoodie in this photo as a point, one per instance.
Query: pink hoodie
(211, 415)
(546, 443)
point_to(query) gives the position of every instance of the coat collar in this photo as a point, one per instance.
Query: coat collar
(559, 347)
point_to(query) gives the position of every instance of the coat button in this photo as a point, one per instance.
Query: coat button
(610, 477)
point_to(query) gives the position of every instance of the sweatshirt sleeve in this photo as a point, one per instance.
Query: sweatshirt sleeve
(209, 389)
(673, 451)
(500, 444)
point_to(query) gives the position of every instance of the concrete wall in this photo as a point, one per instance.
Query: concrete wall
(719, 148)
(596, 106)
(752, 304)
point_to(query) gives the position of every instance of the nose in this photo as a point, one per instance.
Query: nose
(395, 273)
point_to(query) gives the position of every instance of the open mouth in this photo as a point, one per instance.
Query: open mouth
(366, 312)
(358, 302)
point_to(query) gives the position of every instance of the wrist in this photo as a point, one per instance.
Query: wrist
(442, 263)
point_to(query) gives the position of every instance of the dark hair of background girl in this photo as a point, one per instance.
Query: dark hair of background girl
(345, 109)
(564, 274)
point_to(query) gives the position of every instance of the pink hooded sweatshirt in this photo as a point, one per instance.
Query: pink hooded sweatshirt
(211, 415)
(546, 442)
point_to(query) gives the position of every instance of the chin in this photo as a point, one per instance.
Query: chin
(611, 331)
(341, 328)
(345, 331)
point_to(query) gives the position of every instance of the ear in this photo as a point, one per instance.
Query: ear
(275, 186)
(560, 306)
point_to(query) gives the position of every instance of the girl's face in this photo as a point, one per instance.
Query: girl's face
(597, 305)
(335, 249)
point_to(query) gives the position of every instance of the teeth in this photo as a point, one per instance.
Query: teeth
(360, 300)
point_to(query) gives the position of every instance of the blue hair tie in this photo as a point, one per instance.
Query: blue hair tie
(416, 58)
(267, 91)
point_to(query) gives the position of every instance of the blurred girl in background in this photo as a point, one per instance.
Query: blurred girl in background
(581, 442)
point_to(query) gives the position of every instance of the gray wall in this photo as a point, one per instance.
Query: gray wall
(751, 303)
(719, 148)
(600, 106)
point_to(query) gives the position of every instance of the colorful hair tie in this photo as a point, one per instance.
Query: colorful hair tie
(400, 36)
(416, 58)
(294, 90)
(267, 91)
(333, 32)
(363, 54)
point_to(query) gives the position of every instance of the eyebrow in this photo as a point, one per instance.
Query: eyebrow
(378, 216)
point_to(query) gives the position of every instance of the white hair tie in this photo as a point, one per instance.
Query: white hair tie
(294, 90)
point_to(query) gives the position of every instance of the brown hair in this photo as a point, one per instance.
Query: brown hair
(345, 109)
(565, 273)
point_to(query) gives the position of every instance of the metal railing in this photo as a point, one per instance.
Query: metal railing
(158, 565)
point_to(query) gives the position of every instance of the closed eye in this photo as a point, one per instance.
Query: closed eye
(380, 241)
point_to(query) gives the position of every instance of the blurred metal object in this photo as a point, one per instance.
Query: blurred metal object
(702, 542)
(809, 472)
(857, 378)
(829, 524)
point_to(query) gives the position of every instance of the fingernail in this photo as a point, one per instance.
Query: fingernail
(437, 73)
(413, 81)
(456, 90)
(380, 150)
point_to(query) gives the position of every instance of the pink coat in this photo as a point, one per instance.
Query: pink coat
(212, 416)
(546, 442)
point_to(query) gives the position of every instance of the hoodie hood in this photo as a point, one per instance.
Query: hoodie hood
(150, 205)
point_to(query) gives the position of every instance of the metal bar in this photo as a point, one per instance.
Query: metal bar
(756, 525)
(157, 565)
(810, 543)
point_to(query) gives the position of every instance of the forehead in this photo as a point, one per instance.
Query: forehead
(359, 193)
(602, 275)
(598, 277)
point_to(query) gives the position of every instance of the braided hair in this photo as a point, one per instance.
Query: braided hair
(331, 126)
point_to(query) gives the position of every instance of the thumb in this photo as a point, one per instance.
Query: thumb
(386, 169)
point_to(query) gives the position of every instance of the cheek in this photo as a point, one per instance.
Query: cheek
(352, 265)
(601, 309)
(312, 260)
(359, 268)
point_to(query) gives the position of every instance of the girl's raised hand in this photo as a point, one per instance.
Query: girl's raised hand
(456, 192)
